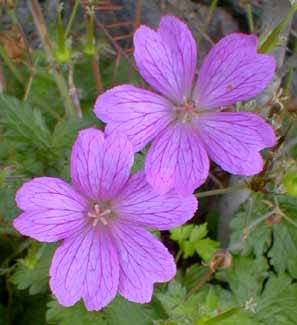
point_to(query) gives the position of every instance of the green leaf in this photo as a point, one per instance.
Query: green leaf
(3, 315)
(66, 132)
(27, 309)
(44, 91)
(278, 302)
(138, 162)
(173, 299)
(123, 312)
(193, 274)
(23, 123)
(245, 277)
(8, 209)
(259, 238)
(290, 183)
(203, 307)
(272, 40)
(74, 315)
(191, 239)
(32, 271)
(283, 253)
(120, 311)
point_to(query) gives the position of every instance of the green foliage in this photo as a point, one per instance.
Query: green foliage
(283, 252)
(272, 40)
(192, 239)
(290, 183)
(24, 124)
(75, 315)
(269, 298)
(245, 277)
(278, 301)
(42, 92)
(8, 210)
(259, 239)
(32, 271)
(120, 311)
(203, 307)
(138, 162)
(276, 237)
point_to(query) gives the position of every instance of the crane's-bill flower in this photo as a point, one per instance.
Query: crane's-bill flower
(102, 221)
(184, 120)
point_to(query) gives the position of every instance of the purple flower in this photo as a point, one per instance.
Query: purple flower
(185, 122)
(102, 219)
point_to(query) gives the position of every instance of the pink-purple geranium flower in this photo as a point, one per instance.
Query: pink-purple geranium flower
(185, 121)
(101, 220)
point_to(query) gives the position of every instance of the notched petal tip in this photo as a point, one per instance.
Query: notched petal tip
(144, 260)
(233, 140)
(166, 58)
(233, 71)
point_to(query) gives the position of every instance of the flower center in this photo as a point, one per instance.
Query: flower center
(186, 112)
(99, 214)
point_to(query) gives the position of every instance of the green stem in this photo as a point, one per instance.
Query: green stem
(273, 38)
(61, 34)
(260, 220)
(289, 220)
(178, 256)
(13, 17)
(222, 316)
(60, 81)
(211, 10)
(221, 191)
(289, 76)
(71, 19)
(250, 18)
(90, 45)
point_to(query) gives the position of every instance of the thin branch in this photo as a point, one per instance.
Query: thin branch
(73, 92)
(114, 43)
(137, 19)
(71, 19)
(97, 74)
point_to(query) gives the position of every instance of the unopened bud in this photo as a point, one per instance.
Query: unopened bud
(221, 259)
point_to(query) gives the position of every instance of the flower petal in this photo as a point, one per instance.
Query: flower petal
(85, 266)
(138, 113)
(166, 59)
(49, 225)
(233, 71)
(49, 193)
(54, 210)
(138, 203)
(233, 140)
(177, 159)
(143, 261)
(100, 166)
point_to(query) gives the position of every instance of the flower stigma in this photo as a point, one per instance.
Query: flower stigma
(98, 214)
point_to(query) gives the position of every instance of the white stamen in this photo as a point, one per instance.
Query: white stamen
(97, 215)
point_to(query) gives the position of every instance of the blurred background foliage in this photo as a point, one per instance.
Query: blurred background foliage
(235, 265)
